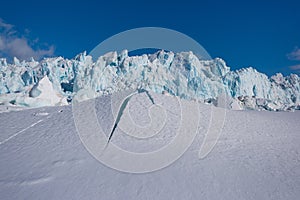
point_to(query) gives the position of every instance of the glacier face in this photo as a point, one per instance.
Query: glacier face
(180, 74)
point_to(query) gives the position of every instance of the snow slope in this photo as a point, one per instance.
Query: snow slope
(256, 157)
(180, 74)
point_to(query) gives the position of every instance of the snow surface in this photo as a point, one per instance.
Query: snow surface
(256, 157)
(181, 74)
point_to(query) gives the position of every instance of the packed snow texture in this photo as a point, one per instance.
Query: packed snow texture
(256, 157)
(181, 74)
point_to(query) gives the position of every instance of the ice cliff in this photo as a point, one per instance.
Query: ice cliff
(55, 81)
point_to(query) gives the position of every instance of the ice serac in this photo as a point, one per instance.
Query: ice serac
(180, 74)
(44, 93)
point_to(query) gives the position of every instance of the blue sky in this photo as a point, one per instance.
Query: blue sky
(262, 34)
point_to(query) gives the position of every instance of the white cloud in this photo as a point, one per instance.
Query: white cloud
(5, 26)
(294, 55)
(2, 45)
(14, 45)
(295, 67)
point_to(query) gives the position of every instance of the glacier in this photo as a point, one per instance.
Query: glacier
(56, 81)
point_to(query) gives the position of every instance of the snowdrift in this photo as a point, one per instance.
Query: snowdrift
(256, 157)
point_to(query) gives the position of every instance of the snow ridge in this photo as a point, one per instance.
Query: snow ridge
(55, 81)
